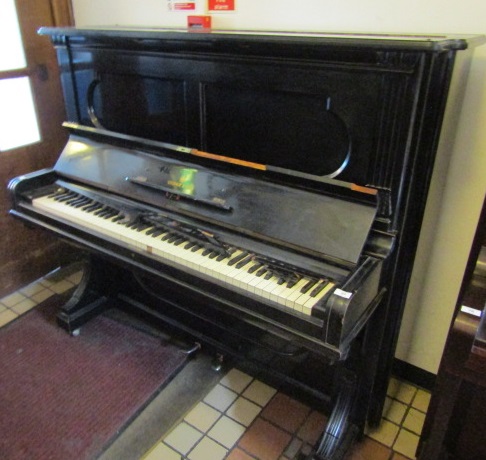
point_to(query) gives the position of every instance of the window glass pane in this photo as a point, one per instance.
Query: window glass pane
(11, 52)
(18, 122)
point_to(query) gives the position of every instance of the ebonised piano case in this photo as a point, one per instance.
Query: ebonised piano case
(292, 158)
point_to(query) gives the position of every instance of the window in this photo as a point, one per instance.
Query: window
(18, 120)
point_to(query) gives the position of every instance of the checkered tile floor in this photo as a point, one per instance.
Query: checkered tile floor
(242, 418)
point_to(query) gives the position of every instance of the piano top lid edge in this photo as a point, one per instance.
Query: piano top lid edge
(388, 41)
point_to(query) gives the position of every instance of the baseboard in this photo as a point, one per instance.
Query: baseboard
(413, 374)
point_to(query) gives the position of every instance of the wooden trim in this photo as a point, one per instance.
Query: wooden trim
(62, 13)
(15, 73)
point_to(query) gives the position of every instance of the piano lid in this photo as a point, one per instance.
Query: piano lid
(426, 42)
(321, 224)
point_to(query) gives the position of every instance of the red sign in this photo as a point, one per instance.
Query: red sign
(182, 6)
(221, 5)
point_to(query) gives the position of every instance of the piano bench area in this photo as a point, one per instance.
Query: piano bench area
(238, 415)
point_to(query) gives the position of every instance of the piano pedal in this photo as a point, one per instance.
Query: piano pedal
(217, 363)
(193, 350)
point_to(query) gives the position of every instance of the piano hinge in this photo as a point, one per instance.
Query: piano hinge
(380, 243)
(385, 207)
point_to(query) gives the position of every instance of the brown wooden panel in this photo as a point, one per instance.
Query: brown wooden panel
(27, 254)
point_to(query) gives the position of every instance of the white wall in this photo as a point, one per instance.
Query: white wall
(459, 182)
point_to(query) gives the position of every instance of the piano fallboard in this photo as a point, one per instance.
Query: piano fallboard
(306, 220)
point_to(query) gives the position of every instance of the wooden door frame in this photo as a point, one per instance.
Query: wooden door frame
(27, 254)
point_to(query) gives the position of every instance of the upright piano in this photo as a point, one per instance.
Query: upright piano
(260, 193)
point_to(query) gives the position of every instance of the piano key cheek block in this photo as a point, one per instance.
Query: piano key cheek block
(249, 192)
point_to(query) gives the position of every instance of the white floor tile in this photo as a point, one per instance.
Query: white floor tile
(207, 449)
(406, 444)
(259, 393)
(243, 411)
(183, 438)
(220, 398)
(7, 316)
(13, 299)
(226, 432)
(236, 380)
(202, 417)
(162, 452)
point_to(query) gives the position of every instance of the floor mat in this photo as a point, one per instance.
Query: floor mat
(69, 397)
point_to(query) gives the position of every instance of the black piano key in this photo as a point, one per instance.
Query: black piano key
(120, 218)
(308, 286)
(158, 232)
(90, 206)
(196, 248)
(261, 271)
(319, 288)
(149, 227)
(281, 281)
(96, 207)
(293, 281)
(142, 226)
(84, 202)
(152, 230)
(243, 262)
(206, 252)
(93, 208)
(221, 257)
(255, 267)
(213, 254)
(56, 193)
(190, 245)
(268, 275)
(66, 197)
(238, 258)
(100, 210)
(103, 212)
(75, 201)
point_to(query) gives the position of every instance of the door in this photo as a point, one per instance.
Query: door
(31, 135)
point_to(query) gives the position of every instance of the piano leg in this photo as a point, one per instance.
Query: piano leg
(354, 384)
(340, 433)
(91, 297)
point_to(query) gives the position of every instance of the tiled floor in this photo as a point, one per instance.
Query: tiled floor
(242, 418)
(57, 282)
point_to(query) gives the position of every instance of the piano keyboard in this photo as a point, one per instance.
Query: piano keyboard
(188, 248)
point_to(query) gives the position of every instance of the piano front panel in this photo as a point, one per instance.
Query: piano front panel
(223, 104)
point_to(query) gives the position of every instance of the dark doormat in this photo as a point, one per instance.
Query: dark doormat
(64, 397)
